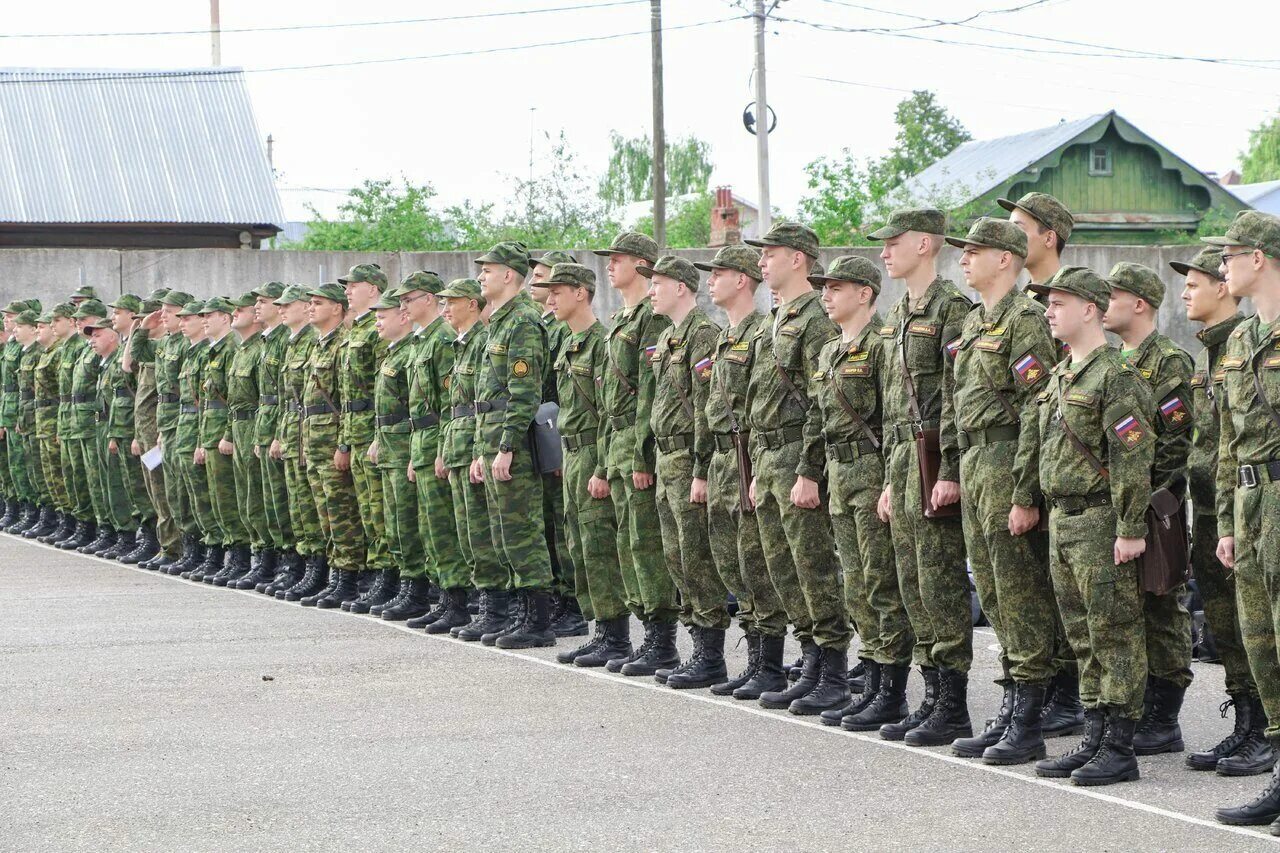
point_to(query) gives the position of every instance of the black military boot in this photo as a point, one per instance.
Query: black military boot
(192, 555)
(126, 541)
(313, 580)
(10, 512)
(346, 589)
(495, 611)
(237, 566)
(795, 668)
(569, 621)
(214, 558)
(1158, 730)
(832, 689)
(385, 588)
(65, 528)
(516, 617)
(1062, 766)
(640, 651)
(974, 747)
(1208, 759)
(887, 706)
(289, 570)
(596, 641)
(48, 522)
(1263, 808)
(857, 676)
(898, 730)
(535, 631)
(870, 687)
(1114, 761)
(395, 601)
(1063, 713)
(146, 546)
(812, 669)
(263, 572)
(1023, 739)
(695, 634)
(105, 538)
(1255, 754)
(415, 602)
(455, 615)
(439, 609)
(709, 667)
(30, 517)
(83, 533)
(333, 576)
(770, 676)
(662, 653)
(950, 717)
(726, 688)
(615, 643)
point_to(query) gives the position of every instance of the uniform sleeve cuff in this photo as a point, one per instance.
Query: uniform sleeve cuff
(1131, 530)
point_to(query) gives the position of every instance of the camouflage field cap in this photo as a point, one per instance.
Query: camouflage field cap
(424, 280)
(1254, 229)
(270, 290)
(926, 220)
(96, 325)
(33, 305)
(293, 293)
(854, 268)
(389, 300)
(632, 243)
(176, 298)
(218, 304)
(464, 288)
(740, 258)
(574, 275)
(509, 253)
(1141, 281)
(159, 293)
(246, 300)
(191, 309)
(128, 302)
(1208, 261)
(330, 290)
(793, 235)
(84, 292)
(150, 305)
(62, 309)
(671, 266)
(817, 268)
(371, 273)
(90, 308)
(28, 318)
(17, 306)
(994, 234)
(550, 259)
(1082, 282)
(1047, 210)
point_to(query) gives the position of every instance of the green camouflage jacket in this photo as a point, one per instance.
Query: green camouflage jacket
(271, 397)
(1206, 385)
(360, 353)
(557, 333)
(187, 431)
(10, 355)
(512, 375)
(459, 439)
(70, 351)
(847, 376)
(731, 374)
(322, 394)
(391, 404)
(1250, 430)
(82, 414)
(242, 384)
(579, 372)
(682, 380)
(1167, 369)
(116, 391)
(170, 352)
(628, 392)
(432, 360)
(27, 388)
(48, 366)
(293, 379)
(215, 381)
(142, 357)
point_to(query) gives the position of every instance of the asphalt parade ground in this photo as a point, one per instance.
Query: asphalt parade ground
(146, 713)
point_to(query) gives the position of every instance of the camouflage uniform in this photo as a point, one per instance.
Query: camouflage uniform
(276, 523)
(13, 483)
(304, 519)
(126, 495)
(47, 368)
(171, 351)
(332, 490)
(73, 431)
(37, 484)
(242, 412)
(553, 509)
(394, 436)
(360, 353)
(187, 439)
(215, 425)
(142, 355)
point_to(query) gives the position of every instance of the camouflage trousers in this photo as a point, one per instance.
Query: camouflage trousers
(651, 594)
(1010, 572)
(303, 519)
(7, 489)
(96, 469)
(16, 457)
(1257, 576)
(865, 548)
(553, 527)
(735, 547)
(591, 531)
(77, 478)
(195, 483)
(273, 480)
(1101, 608)
(931, 570)
(246, 474)
(118, 480)
(1168, 630)
(132, 474)
(685, 546)
(438, 529)
(333, 491)
(809, 584)
(1217, 586)
(401, 512)
(367, 480)
(475, 541)
(51, 466)
(224, 495)
(41, 492)
(175, 486)
(515, 522)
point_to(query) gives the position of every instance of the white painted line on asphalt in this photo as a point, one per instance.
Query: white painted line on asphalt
(734, 705)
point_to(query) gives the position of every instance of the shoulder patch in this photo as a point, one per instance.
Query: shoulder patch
(953, 347)
(1129, 430)
(1198, 379)
(888, 331)
(1232, 362)
(926, 329)
(1029, 369)
(1175, 413)
(1081, 398)
(519, 368)
(1271, 362)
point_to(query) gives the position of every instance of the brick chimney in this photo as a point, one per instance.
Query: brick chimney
(726, 229)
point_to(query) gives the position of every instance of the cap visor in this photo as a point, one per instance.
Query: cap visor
(1219, 241)
(647, 272)
(960, 243)
(1181, 268)
(888, 232)
(1008, 204)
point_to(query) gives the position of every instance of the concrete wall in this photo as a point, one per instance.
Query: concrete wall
(51, 274)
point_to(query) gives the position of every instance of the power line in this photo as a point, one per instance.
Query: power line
(302, 27)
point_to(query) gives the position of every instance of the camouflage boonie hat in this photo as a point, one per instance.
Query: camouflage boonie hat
(1141, 281)
(632, 243)
(390, 299)
(1082, 282)
(463, 288)
(270, 290)
(331, 291)
(100, 323)
(62, 309)
(176, 298)
(85, 292)
(90, 308)
(574, 275)
(218, 304)
(191, 309)
(28, 318)
(854, 268)
(994, 234)
(1047, 210)
(550, 259)
(509, 253)
(793, 235)
(424, 280)
(371, 273)
(926, 220)
(127, 302)
(740, 258)
(1208, 261)
(292, 293)
(671, 266)
(246, 300)
(1254, 229)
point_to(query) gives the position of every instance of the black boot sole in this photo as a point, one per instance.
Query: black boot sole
(1065, 731)
(1131, 776)
(975, 751)
(1253, 820)
(701, 684)
(940, 739)
(1024, 757)
(1172, 746)
(1254, 770)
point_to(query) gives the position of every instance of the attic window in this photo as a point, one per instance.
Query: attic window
(1100, 160)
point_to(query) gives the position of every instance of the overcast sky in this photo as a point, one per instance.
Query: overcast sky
(463, 123)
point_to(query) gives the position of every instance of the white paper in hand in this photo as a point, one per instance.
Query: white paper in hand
(152, 458)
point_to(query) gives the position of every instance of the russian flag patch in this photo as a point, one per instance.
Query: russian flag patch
(1029, 369)
(704, 364)
(1174, 411)
(1129, 431)
(953, 348)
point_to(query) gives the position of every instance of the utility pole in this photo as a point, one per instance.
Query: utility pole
(659, 132)
(215, 32)
(762, 124)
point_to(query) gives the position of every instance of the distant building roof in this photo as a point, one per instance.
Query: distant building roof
(132, 146)
(1264, 196)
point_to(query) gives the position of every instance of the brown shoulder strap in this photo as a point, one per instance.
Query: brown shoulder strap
(1094, 462)
(913, 401)
(1261, 391)
(857, 419)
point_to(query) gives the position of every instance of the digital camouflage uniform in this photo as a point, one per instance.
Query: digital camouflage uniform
(242, 411)
(332, 490)
(187, 438)
(304, 518)
(47, 368)
(360, 353)
(74, 431)
(142, 356)
(272, 401)
(394, 437)
(126, 494)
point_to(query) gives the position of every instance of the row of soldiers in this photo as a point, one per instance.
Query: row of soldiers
(821, 467)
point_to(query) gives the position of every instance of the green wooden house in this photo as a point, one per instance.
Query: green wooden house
(1120, 184)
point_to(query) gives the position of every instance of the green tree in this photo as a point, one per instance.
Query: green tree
(629, 175)
(688, 225)
(1261, 161)
(557, 208)
(379, 216)
(926, 134)
(837, 207)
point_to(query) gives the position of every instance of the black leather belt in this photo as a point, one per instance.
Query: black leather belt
(467, 410)
(244, 415)
(982, 437)
(672, 443)
(1252, 476)
(188, 409)
(427, 421)
(269, 400)
(772, 439)
(319, 409)
(579, 440)
(78, 399)
(123, 392)
(357, 405)
(1076, 504)
(291, 406)
(391, 419)
(217, 405)
(485, 406)
(44, 404)
(724, 440)
(848, 451)
(168, 398)
(27, 395)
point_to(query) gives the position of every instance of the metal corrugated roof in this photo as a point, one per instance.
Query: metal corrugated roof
(108, 145)
(1252, 193)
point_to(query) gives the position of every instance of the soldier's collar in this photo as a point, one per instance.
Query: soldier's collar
(992, 319)
(926, 298)
(1074, 372)
(795, 306)
(1219, 332)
